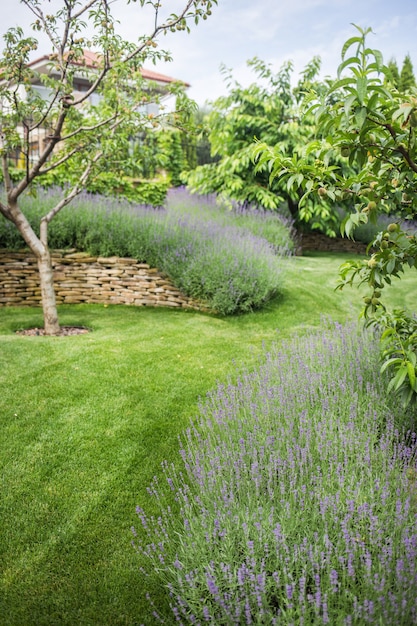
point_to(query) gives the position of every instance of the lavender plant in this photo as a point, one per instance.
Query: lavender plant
(296, 498)
(214, 260)
(224, 266)
(274, 226)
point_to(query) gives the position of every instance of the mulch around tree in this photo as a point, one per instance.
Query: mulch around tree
(65, 331)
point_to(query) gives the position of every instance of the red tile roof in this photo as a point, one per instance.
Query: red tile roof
(91, 60)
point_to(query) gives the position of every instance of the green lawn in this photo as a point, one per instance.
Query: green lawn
(87, 420)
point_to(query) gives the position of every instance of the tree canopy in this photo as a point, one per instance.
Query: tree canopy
(404, 80)
(407, 78)
(267, 110)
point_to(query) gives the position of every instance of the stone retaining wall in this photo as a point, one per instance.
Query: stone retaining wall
(81, 278)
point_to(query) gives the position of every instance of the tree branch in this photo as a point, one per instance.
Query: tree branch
(157, 30)
(61, 161)
(411, 164)
(37, 11)
(4, 211)
(65, 158)
(400, 148)
(8, 184)
(68, 198)
(88, 129)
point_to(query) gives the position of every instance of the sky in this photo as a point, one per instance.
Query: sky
(275, 31)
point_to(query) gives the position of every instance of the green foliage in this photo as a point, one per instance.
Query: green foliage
(108, 183)
(152, 193)
(143, 192)
(269, 111)
(202, 141)
(371, 125)
(393, 74)
(169, 143)
(142, 158)
(407, 78)
(399, 350)
(402, 82)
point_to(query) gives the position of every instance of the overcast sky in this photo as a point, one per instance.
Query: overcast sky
(273, 30)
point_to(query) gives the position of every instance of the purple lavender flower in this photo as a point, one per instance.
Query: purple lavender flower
(293, 486)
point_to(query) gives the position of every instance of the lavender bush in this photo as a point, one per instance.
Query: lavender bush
(273, 226)
(207, 256)
(296, 498)
(227, 267)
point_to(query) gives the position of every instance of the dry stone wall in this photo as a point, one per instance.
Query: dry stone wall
(81, 278)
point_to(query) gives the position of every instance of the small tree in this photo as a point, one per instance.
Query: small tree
(80, 135)
(371, 124)
(269, 110)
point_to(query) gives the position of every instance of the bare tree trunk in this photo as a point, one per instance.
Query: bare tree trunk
(39, 247)
(46, 275)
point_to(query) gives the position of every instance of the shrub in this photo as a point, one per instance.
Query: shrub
(144, 192)
(225, 266)
(296, 498)
(230, 269)
(212, 260)
(268, 224)
(149, 192)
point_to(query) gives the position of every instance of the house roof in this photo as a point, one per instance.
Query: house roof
(91, 60)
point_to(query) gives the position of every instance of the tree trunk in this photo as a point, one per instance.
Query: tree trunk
(46, 275)
(293, 208)
(39, 247)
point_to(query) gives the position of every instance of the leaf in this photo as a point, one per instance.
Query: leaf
(340, 83)
(379, 60)
(387, 333)
(412, 356)
(299, 179)
(360, 116)
(290, 182)
(404, 110)
(400, 377)
(311, 147)
(389, 362)
(362, 88)
(396, 382)
(411, 374)
(348, 228)
(350, 43)
(348, 103)
(346, 62)
(407, 397)
(373, 100)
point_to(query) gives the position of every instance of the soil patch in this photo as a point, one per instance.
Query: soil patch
(65, 331)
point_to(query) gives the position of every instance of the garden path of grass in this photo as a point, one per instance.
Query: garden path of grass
(87, 420)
